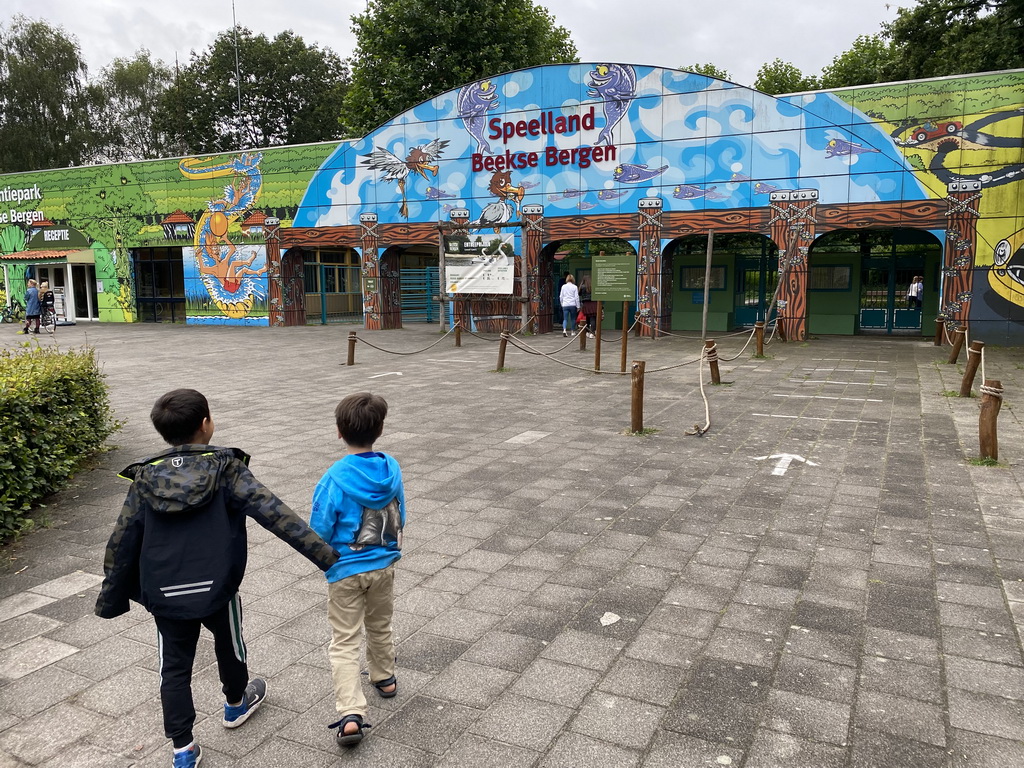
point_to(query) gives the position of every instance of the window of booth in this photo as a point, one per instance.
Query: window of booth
(159, 285)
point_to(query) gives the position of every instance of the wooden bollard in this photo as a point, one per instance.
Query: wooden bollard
(583, 339)
(597, 340)
(974, 353)
(759, 334)
(636, 411)
(991, 402)
(958, 344)
(501, 350)
(458, 334)
(351, 348)
(940, 327)
(780, 329)
(711, 353)
(625, 335)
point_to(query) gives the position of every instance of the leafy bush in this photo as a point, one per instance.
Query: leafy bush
(54, 414)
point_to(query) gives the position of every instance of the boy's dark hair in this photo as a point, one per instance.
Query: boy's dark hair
(179, 414)
(360, 418)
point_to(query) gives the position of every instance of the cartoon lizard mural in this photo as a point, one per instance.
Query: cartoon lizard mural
(229, 281)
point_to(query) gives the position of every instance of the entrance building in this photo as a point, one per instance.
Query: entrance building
(820, 208)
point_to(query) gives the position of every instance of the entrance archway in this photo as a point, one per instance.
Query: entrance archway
(859, 279)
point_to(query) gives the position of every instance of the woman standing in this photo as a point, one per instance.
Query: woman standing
(31, 306)
(569, 298)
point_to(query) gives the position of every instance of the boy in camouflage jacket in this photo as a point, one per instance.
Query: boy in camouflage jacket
(179, 549)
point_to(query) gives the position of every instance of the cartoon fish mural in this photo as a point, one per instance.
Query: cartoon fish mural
(628, 173)
(611, 194)
(554, 198)
(692, 192)
(447, 209)
(573, 192)
(615, 84)
(585, 205)
(760, 188)
(737, 177)
(474, 102)
(529, 184)
(841, 148)
(433, 193)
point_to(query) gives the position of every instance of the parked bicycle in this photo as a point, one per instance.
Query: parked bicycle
(48, 320)
(13, 313)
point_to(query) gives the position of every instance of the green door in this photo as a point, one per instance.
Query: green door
(755, 286)
(883, 293)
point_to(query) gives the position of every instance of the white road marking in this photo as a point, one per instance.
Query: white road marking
(823, 381)
(812, 418)
(831, 397)
(389, 373)
(785, 459)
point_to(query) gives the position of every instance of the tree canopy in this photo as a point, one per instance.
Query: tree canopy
(44, 98)
(408, 51)
(289, 93)
(780, 76)
(707, 69)
(129, 94)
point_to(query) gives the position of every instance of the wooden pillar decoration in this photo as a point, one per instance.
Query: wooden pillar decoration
(792, 228)
(390, 269)
(648, 267)
(958, 257)
(537, 289)
(459, 227)
(276, 289)
(372, 318)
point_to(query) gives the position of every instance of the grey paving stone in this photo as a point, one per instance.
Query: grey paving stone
(681, 620)
(900, 716)
(425, 652)
(766, 596)
(978, 750)
(997, 647)
(663, 648)
(584, 649)
(23, 627)
(811, 677)
(573, 750)
(825, 646)
(121, 692)
(631, 723)
(900, 645)
(516, 577)
(875, 749)
(756, 619)
(469, 684)
(504, 650)
(563, 684)
(471, 751)
(901, 678)
(673, 750)
(807, 717)
(984, 677)
(32, 654)
(700, 596)
(462, 624)
(21, 603)
(984, 713)
(428, 724)
(522, 721)
(643, 680)
(974, 617)
(298, 687)
(771, 749)
(828, 618)
(36, 740)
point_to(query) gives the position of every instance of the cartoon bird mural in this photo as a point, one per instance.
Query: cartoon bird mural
(843, 148)
(506, 208)
(474, 102)
(420, 160)
(616, 85)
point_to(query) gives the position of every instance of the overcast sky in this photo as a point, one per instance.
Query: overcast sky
(736, 35)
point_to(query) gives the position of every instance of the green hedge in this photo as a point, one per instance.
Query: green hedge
(54, 414)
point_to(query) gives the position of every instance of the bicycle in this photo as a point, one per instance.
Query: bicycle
(15, 312)
(48, 320)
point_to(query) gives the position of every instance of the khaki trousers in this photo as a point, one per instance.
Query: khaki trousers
(365, 599)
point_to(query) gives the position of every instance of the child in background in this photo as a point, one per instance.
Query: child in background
(359, 508)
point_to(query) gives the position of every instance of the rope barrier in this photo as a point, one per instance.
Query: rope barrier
(994, 391)
(415, 352)
(697, 428)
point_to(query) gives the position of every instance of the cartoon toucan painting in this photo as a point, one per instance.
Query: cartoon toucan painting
(420, 160)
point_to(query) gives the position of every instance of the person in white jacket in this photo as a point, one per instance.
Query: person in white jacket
(569, 298)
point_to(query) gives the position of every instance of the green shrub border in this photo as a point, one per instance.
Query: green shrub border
(54, 415)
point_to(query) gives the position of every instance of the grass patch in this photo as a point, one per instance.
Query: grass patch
(642, 433)
(988, 461)
(501, 370)
(950, 393)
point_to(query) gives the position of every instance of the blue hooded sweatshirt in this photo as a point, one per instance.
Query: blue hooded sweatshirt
(359, 509)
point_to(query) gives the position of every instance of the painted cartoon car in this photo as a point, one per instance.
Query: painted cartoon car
(930, 130)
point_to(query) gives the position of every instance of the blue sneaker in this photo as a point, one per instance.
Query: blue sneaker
(189, 758)
(255, 693)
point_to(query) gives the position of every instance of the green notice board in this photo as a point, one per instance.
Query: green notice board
(614, 277)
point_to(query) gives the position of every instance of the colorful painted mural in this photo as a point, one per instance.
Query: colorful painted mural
(647, 156)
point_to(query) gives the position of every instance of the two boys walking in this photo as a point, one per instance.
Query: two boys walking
(179, 549)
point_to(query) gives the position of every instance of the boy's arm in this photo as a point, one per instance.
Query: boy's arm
(121, 561)
(256, 501)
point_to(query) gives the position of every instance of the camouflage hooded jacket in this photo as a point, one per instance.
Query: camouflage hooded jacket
(179, 546)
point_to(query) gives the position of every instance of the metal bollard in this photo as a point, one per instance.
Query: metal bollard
(636, 412)
(351, 348)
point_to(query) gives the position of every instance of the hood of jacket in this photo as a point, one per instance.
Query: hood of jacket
(184, 478)
(372, 480)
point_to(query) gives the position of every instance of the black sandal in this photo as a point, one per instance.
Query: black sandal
(384, 684)
(349, 739)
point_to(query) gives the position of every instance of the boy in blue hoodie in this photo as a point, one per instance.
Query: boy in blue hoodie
(359, 509)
